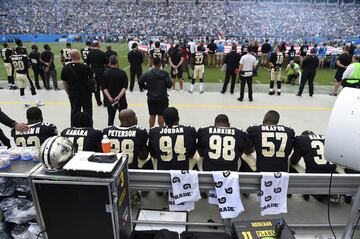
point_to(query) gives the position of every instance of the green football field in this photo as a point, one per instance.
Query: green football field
(214, 75)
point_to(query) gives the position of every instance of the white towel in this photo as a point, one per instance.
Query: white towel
(212, 198)
(185, 190)
(273, 195)
(185, 206)
(228, 194)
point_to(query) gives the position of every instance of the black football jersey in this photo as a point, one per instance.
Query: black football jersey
(311, 148)
(127, 140)
(6, 55)
(21, 63)
(35, 136)
(277, 59)
(303, 50)
(172, 147)
(273, 145)
(84, 54)
(221, 147)
(199, 58)
(65, 53)
(84, 139)
(157, 52)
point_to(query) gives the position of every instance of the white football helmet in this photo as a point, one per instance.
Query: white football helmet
(55, 152)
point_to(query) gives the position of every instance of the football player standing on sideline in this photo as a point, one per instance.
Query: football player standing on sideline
(135, 58)
(156, 82)
(85, 52)
(176, 59)
(65, 54)
(21, 63)
(276, 61)
(6, 53)
(198, 65)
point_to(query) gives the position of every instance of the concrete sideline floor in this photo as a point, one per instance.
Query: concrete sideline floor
(199, 110)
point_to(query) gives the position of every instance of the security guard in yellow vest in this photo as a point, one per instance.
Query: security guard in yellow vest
(351, 76)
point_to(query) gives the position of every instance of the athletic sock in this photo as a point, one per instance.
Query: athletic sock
(271, 86)
(36, 99)
(192, 86)
(201, 86)
(24, 99)
(279, 85)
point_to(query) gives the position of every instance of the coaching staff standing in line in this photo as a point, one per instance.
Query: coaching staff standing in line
(36, 66)
(76, 76)
(247, 65)
(308, 65)
(47, 59)
(135, 59)
(115, 83)
(232, 62)
(97, 61)
(156, 81)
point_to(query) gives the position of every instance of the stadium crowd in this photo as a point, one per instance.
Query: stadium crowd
(179, 19)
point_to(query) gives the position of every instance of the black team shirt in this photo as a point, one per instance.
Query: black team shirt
(84, 139)
(6, 55)
(172, 147)
(310, 63)
(21, 63)
(97, 60)
(77, 75)
(221, 147)
(136, 59)
(35, 136)
(84, 54)
(114, 80)
(273, 145)
(130, 141)
(311, 148)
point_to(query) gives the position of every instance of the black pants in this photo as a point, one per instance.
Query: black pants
(307, 76)
(51, 73)
(112, 112)
(134, 72)
(38, 71)
(229, 73)
(79, 103)
(243, 81)
(98, 78)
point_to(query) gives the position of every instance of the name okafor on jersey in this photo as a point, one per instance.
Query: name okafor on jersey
(65, 54)
(84, 139)
(311, 148)
(35, 136)
(172, 147)
(199, 58)
(273, 145)
(277, 60)
(221, 147)
(130, 141)
(21, 63)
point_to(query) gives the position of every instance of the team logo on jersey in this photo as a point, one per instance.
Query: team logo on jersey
(222, 200)
(187, 186)
(277, 175)
(260, 194)
(268, 198)
(226, 174)
(229, 190)
(184, 171)
(268, 183)
(218, 184)
(277, 190)
(176, 180)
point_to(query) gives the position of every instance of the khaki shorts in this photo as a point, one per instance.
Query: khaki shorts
(219, 56)
(198, 71)
(8, 68)
(22, 80)
(275, 75)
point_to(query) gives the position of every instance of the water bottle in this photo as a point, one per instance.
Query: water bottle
(105, 144)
